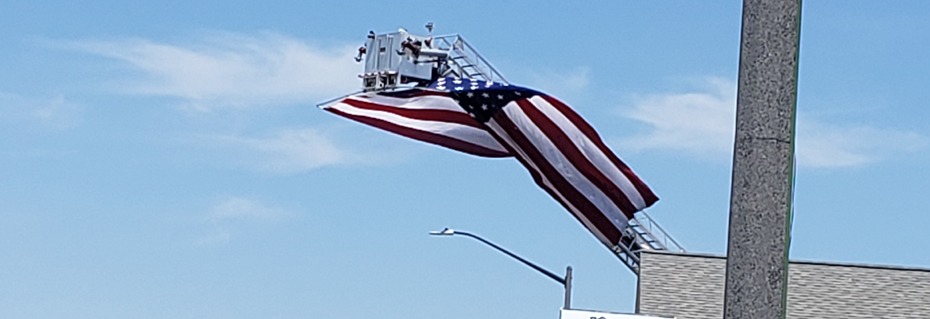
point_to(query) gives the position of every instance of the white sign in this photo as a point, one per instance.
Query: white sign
(588, 314)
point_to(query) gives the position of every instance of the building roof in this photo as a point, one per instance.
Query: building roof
(689, 285)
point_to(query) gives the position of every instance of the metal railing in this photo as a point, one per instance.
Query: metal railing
(643, 233)
(465, 61)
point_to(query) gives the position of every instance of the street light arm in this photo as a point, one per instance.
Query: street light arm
(548, 273)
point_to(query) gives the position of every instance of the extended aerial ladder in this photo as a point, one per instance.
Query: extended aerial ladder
(400, 59)
(643, 233)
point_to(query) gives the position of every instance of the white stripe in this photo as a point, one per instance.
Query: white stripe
(493, 125)
(564, 167)
(453, 130)
(414, 103)
(588, 148)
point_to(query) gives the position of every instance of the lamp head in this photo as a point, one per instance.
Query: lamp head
(444, 232)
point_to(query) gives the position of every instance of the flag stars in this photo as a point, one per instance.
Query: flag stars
(482, 103)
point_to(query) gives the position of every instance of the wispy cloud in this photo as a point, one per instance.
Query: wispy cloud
(828, 145)
(241, 208)
(53, 113)
(285, 151)
(222, 70)
(562, 83)
(701, 124)
(233, 213)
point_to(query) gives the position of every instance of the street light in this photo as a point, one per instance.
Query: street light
(565, 281)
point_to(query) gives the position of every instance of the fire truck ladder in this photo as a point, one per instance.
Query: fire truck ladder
(642, 233)
(389, 64)
(464, 61)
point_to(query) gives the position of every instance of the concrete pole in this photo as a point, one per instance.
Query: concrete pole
(763, 161)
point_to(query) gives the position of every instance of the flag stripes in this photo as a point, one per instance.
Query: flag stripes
(553, 181)
(572, 153)
(642, 189)
(431, 119)
(588, 184)
(561, 151)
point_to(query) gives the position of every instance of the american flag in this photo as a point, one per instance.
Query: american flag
(562, 152)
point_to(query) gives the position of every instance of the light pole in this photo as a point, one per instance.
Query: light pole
(565, 281)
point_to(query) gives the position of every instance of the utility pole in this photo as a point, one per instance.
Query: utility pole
(763, 161)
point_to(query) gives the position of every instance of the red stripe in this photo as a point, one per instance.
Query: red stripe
(562, 186)
(568, 149)
(428, 137)
(435, 115)
(406, 94)
(648, 196)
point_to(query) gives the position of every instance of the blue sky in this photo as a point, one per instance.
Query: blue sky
(167, 160)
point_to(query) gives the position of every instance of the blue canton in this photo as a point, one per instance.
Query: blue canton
(481, 99)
